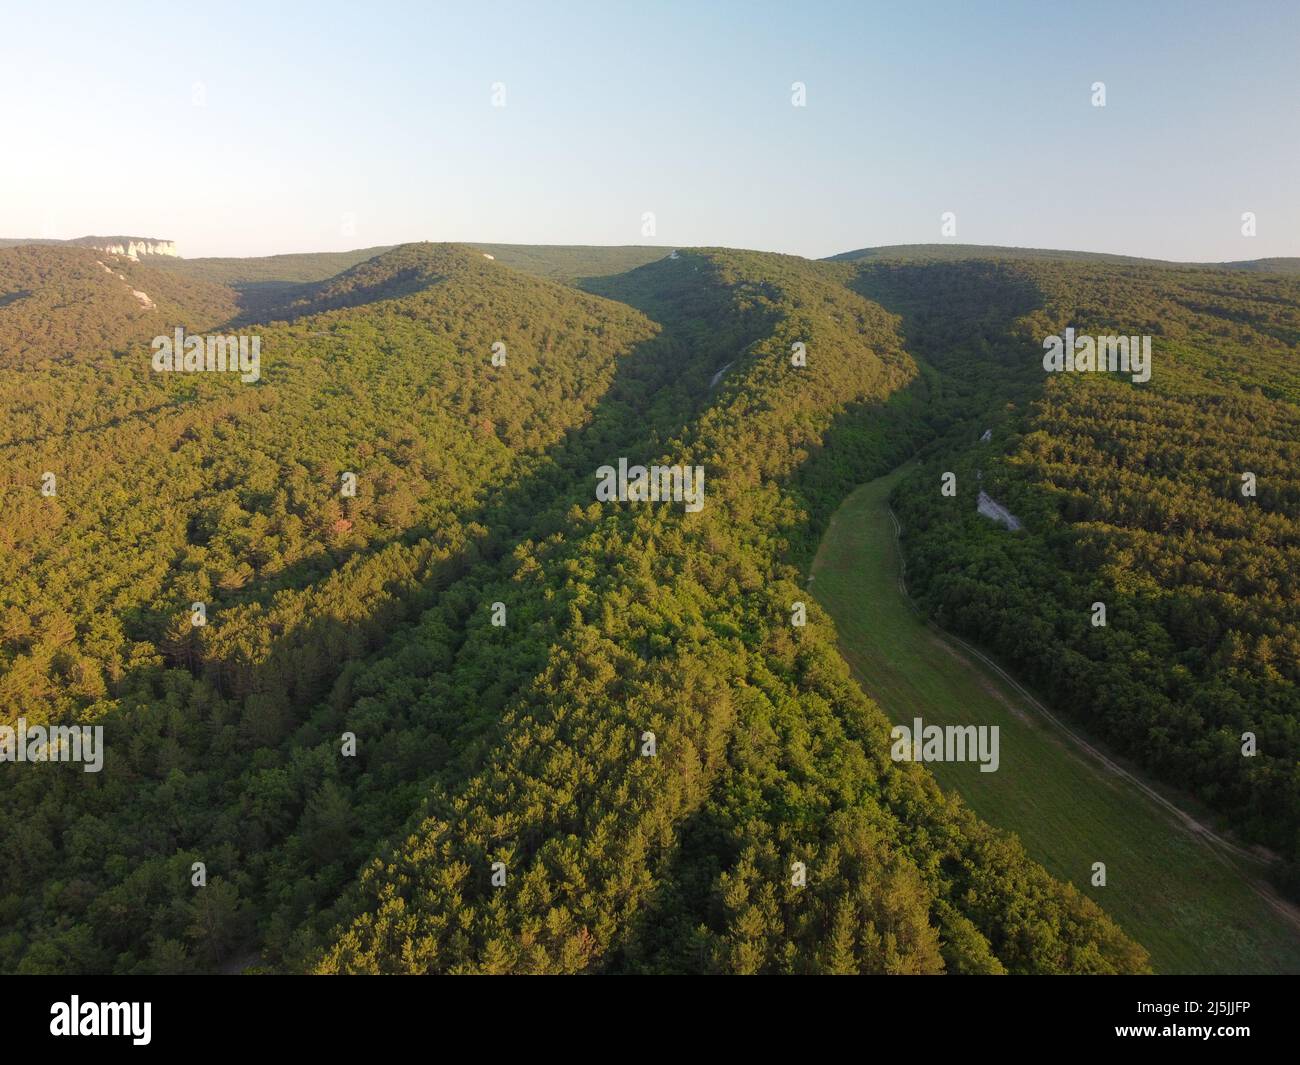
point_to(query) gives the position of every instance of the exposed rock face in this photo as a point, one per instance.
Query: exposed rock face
(992, 509)
(131, 247)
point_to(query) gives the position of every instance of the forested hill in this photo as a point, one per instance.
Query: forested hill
(936, 253)
(66, 304)
(1174, 504)
(765, 828)
(574, 263)
(560, 262)
(277, 285)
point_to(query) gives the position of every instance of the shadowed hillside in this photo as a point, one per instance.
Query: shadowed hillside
(1132, 497)
(371, 614)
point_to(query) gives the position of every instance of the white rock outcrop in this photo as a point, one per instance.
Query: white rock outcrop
(130, 247)
(991, 508)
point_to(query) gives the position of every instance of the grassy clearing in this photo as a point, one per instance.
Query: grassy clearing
(1195, 909)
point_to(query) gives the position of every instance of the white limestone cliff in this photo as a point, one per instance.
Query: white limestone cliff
(130, 247)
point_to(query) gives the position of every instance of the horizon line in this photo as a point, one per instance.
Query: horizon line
(48, 241)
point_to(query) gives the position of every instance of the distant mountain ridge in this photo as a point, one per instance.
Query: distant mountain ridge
(131, 247)
(569, 263)
(956, 252)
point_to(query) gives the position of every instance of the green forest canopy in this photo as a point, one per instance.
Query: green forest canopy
(476, 744)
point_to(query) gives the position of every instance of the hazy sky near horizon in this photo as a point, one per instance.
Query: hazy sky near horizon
(254, 129)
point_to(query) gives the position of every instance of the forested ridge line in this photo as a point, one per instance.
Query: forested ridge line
(335, 574)
(1132, 498)
(717, 901)
(371, 615)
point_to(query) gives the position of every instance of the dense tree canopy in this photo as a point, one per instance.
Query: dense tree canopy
(1132, 496)
(372, 614)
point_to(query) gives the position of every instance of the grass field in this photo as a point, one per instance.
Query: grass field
(1195, 908)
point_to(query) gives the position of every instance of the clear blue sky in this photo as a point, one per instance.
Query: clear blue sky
(382, 111)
